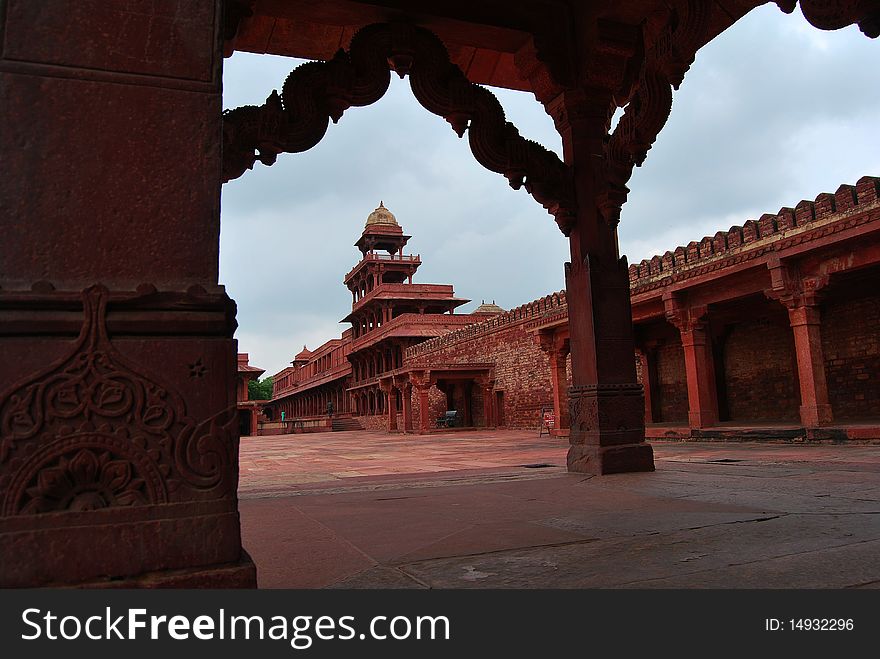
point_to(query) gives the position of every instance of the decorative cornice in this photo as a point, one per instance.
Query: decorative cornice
(827, 215)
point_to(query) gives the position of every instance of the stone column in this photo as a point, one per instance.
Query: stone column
(424, 409)
(387, 387)
(606, 402)
(557, 350)
(700, 369)
(487, 387)
(118, 448)
(699, 361)
(467, 413)
(407, 408)
(800, 293)
(559, 374)
(805, 320)
(648, 364)
(422, 382)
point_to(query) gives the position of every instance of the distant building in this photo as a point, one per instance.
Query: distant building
(768, 329)
(248, 411)
(389, 314)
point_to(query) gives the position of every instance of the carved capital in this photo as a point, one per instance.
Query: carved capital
(687, 318)
(615, 58)
(544, 63)
(556, 346)
(793, 288)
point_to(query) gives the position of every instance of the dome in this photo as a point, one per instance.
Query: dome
(381, 216)
(488, 308)
(303, 355)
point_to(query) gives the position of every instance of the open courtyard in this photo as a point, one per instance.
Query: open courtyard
(497, 509)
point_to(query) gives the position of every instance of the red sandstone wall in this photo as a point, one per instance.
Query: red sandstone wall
(374, 422)
(671, 390)
(522, 369)
(436, 403)
(759, 372)
(851, 345)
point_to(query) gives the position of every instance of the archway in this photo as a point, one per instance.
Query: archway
(165, 107)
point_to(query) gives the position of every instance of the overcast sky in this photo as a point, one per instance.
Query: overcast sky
(772, 112)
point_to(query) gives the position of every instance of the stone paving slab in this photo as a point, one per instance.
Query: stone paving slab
(712, 515)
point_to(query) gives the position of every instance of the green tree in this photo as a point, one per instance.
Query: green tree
(260, 390)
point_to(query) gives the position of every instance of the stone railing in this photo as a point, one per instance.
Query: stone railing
(409, 319)
(386, 258)
(404, 290)
(321, 377)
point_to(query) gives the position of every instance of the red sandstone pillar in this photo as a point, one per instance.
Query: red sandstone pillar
(392, 416)
(423, 386)
(486, 387)
(805, 324)
(699, 361)
(606, 403)
(119, 449)
(559, 376)
(407, 408)
(700, 371)
(647, 366)
(390, 405)
(254, 422)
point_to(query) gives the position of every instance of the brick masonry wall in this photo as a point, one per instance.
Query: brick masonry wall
(522, 370)
(851, 346)
(672, 395)
(759, 372)
(374, 422)
(436, 403)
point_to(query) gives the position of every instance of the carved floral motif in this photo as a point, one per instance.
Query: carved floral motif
(87, 481)
(94, 430)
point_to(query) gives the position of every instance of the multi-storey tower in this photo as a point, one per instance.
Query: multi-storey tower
(388, 311)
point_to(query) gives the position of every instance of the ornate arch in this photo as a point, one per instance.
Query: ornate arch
(316, 92)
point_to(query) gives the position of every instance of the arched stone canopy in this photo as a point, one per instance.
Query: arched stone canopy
(629, 57)
(98, 91)
(316, 92)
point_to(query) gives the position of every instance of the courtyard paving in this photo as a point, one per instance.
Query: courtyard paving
(498, 510)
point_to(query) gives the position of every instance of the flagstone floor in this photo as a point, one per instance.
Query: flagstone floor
(497, 509)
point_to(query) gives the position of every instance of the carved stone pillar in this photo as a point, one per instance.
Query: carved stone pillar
(405, 387)
(118, 424)
(805, 320)
(424, 409)
(388, 388)
(421, 380)
(648, 363)
(557, 350)
(487, 386)
(699, 362)
(800, 293)
(606, 403)
(254, 425)
(466, 391)
(407, 408)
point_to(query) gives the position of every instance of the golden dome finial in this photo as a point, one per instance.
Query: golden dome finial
(381, 216)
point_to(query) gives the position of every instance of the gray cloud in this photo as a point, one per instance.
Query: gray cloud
(771, 112)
